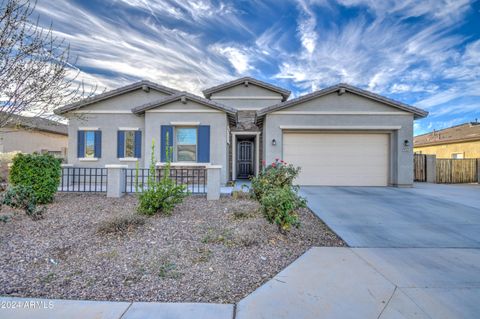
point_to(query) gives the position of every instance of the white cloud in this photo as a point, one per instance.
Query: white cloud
(238, 59)
(306, 27)
(173, 42)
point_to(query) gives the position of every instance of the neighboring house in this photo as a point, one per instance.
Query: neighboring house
(460, 141)
(340, 135)
(34, 134)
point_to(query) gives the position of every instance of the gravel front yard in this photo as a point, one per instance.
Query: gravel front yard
(207, 251)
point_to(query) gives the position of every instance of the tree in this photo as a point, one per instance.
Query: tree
(36, 74)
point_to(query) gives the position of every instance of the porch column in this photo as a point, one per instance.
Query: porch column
(213, 181)
(115, 180)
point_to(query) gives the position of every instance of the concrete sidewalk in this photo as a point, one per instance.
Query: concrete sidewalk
(27, 308)
(340, 283)
(371, 283)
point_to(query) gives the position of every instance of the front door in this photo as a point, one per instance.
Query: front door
(244, 159)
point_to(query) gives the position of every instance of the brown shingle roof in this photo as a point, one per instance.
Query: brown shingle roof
(36, 123)
(459, 133)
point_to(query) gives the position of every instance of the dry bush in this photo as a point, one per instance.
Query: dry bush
(120, 225)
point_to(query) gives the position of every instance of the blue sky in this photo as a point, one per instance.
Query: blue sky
(424, 53)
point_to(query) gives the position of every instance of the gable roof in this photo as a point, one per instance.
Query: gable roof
(460, 133)
(418, 113)
(115, 92)
(188, 96)
(283, 92)
(36, 123)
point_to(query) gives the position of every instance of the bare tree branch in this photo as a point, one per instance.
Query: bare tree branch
(36, 73)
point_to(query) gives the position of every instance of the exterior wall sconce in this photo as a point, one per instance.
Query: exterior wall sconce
(406, 143)
(274, 142)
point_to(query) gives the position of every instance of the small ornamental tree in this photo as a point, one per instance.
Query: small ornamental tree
(40, 172)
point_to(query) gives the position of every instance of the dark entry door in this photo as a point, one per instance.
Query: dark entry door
(244, 159)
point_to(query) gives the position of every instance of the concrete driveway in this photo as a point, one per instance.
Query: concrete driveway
(426, 216)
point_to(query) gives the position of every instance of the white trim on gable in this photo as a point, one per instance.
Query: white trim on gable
(102, 112)
(182, 111)
(245, 98)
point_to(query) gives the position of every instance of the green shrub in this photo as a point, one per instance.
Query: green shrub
(162, 194)
(279, 206)
(278, 197)
(40, 172)
(276, 175)
(23, 197)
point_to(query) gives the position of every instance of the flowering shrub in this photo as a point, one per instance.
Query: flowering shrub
(276, 175)
(278, 197)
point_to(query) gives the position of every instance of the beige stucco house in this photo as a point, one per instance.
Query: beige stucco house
(340, 135)
(459, 141)
(33, 134)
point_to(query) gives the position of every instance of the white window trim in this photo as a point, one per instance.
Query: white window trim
(186, 124)
(88, 159)
(88, 128)
(128, 159)
(182, 164)
(129, 129)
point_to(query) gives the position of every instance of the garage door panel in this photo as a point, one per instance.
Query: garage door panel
(343, 159)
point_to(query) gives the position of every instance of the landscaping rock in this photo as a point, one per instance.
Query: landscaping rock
(206, 251)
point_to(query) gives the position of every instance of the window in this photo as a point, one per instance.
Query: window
(457, 155)
(186, 144)
(89, 144)
(129, 144)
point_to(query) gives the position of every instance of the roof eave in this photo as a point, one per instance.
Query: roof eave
(283, 92)
(418, 113)
(142, 108)
(113, 93)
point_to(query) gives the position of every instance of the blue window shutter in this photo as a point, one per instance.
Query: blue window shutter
(138, 144)
(120, 144)
(204, 144)
(98, 144)
(164, 130)
(81, 144)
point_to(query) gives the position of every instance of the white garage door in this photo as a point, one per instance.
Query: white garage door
(338, 159)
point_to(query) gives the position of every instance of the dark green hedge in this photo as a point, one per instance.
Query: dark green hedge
(41, 172)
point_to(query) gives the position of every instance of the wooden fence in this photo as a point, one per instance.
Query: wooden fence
(419, 168)
(450, 171)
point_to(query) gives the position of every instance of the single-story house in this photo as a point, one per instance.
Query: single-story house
(460, 141)
(341, 135)
(33, 134)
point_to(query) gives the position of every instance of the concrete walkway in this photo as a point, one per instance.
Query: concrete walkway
(27, 308)
(371, 283)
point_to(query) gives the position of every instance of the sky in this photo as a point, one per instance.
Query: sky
(423, 53)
